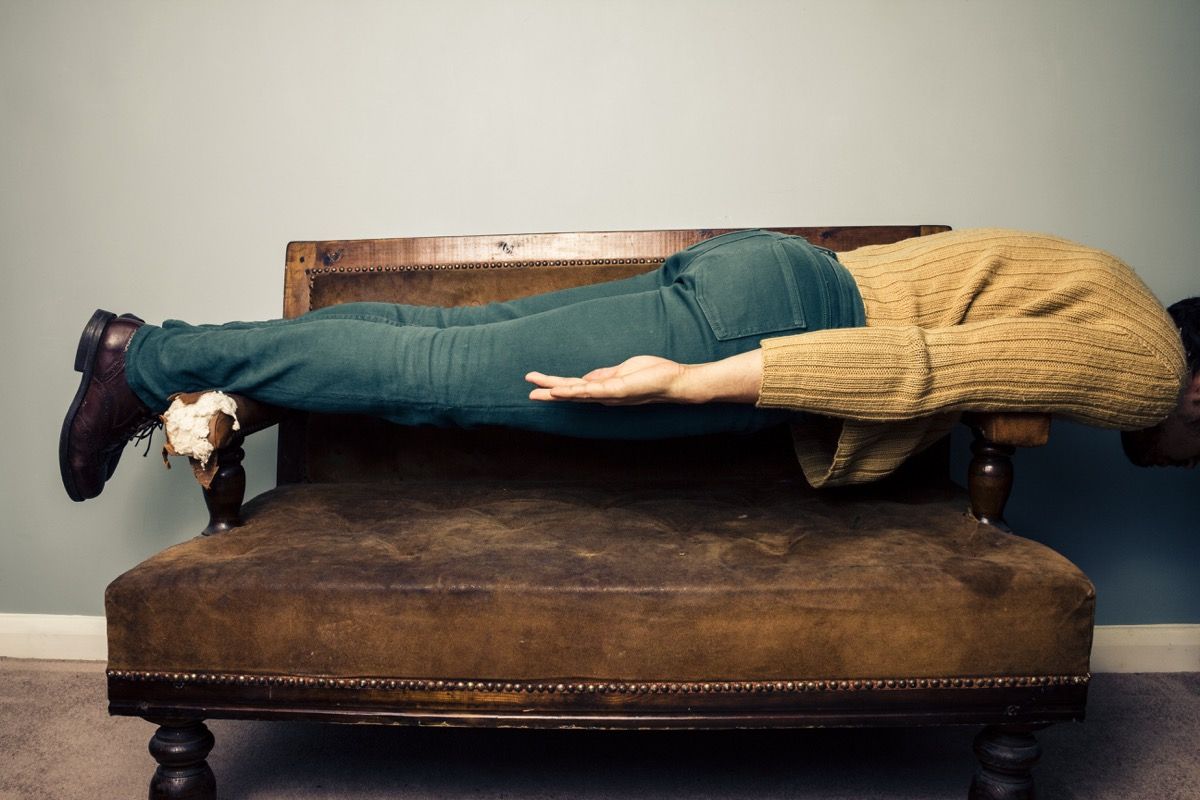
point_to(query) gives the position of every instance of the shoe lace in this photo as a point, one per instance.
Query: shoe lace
(145, 431)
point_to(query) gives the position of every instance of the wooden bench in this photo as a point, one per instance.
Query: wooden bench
(503, 578)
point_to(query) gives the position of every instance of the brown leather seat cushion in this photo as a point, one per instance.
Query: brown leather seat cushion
(765, 580)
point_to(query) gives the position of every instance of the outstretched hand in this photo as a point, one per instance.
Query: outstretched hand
(637, 380)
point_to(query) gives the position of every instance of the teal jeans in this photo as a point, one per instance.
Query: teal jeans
(464, 366)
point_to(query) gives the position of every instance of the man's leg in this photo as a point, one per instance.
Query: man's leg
(373, 360)
(457, 376)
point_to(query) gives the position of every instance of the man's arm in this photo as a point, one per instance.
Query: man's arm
(651, 379)
(1099, 374)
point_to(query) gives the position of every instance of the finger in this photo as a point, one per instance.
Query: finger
(558, 393)
(591, 390)
(600, 374)
(549, 380)
(575, 391)
(549, 395)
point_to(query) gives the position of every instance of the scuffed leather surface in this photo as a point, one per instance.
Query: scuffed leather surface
(634, 581)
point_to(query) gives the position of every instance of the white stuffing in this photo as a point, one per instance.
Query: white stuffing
(186, 425)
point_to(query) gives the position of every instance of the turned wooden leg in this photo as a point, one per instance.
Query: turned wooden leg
(1006, 755)
(990, 479)
(224, 496)
(180, 746)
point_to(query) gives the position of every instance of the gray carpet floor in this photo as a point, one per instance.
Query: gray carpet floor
(57, 741)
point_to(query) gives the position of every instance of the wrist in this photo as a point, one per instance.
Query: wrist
(690, 385)
(737, 379)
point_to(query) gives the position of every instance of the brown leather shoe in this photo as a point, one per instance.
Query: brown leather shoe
(105, 413)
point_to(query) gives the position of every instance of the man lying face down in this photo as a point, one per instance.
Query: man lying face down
(869, 355)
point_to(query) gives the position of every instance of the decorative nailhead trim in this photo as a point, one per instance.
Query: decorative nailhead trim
(562, 262)
(313, 272)
(181, 679)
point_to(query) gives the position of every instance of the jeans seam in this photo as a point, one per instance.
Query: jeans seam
(366, 318)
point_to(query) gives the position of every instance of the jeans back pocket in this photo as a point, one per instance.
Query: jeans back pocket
(748, 288)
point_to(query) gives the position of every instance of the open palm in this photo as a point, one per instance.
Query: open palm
(637, 380)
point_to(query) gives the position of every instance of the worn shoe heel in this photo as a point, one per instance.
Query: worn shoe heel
(90, 338)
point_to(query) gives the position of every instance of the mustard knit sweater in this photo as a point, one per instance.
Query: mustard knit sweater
(982, 319)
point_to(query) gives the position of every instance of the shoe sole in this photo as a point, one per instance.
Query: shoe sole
(85, 360)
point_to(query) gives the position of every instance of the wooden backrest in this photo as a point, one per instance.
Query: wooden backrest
(455, 270)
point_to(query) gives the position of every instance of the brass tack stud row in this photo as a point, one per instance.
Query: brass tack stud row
(575, 262)
(601, 687)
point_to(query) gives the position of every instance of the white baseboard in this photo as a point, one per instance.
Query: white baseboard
(53, 636)
(1116, 648)
(1146, 648)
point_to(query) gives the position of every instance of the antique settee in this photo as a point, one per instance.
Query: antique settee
(502, 578)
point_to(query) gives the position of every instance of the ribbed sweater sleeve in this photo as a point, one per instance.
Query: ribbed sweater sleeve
(1096, 373)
